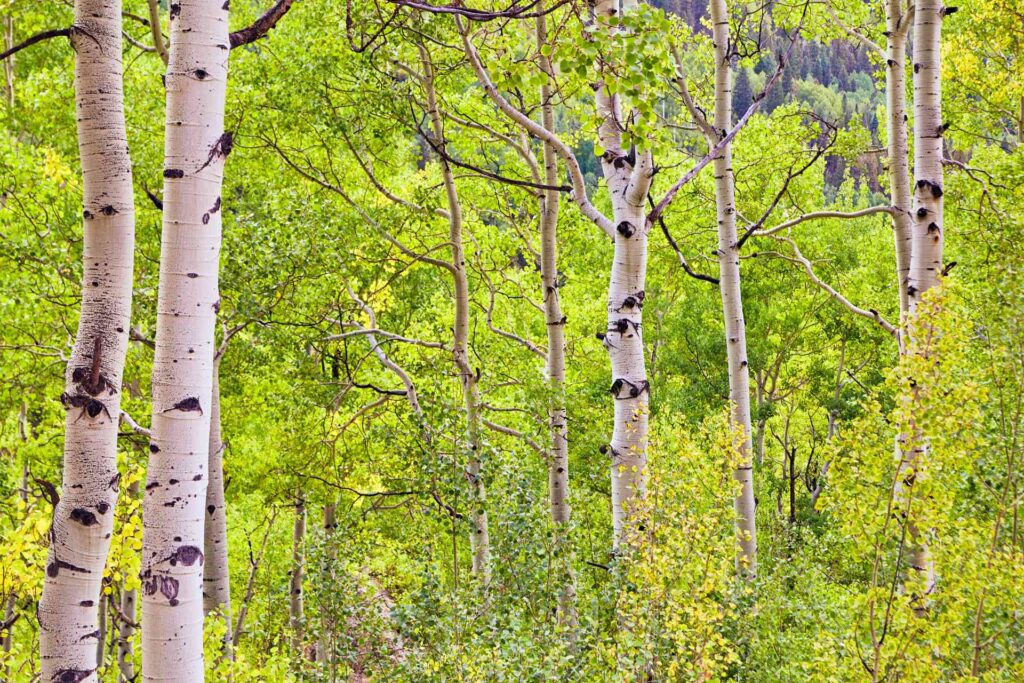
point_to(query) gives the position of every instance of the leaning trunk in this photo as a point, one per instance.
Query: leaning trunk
(216, 580)
(174, 503)
(83, 520)
(732, 302)
(479, 537)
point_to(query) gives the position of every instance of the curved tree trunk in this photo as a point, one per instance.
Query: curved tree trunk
(84, 518)
(480, 543)
(175, 497)
(732, 301)
(216, 579)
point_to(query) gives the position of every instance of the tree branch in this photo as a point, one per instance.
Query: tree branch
(579, 186)
(39, 37)
(261, 26)
(800, 259)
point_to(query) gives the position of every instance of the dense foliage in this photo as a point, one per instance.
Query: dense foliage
(334, 207)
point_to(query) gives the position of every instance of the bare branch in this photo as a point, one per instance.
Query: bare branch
(39, 37)
(823, 214)
(261, 26)
(135, 426)
(800, 259)
(387, 335)
(579, 186)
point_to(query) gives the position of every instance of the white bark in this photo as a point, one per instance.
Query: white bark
(628, 177)
(126, 626)
(296, 607)
(926, 253)
(558, 459)
(732, 302)
(216, 578)
(897, 26)
(479, 532)
(175, 497)
(84, 518)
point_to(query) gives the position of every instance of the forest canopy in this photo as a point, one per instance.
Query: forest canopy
(511, 340)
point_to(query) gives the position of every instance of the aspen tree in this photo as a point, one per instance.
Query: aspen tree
(628, 176)
(558, 461)
(732, 300)
(927, 234)
(127, 625)
(196, 146)
(216, 578)
(83, 519)
(897, 25)
(296, 599)
(479, 537)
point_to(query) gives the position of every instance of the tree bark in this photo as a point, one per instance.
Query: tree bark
(196, 146)
(8, 29)
(84, 517)
(926, 254)
(558, 461)
(897, 26)
(216, 577)
(480, 543)
(732, 302)
(296, 608)
(628, 183)
(325, 647)
(126, 628)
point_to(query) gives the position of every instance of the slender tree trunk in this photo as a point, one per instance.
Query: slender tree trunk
(12, 599)
(216, 578)
(296, 611)
(8, 29)
(480, 543)
(126, 628)
(101, 639)
(628, 177)
(250, 586)
(558, 462)
(732, 302)
(928, 233)
(84, 518)
(174, 502)
(325, 647)
(897, 26)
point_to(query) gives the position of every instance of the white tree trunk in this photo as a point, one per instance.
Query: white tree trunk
(898, 161)
(479, 534)
(628, 177)
(558, 461)
(325, 646)
(175, 497)
(126, 631)
(216, 578)
(84, 518)
(296, 609)
(732, 301)
(926, 251)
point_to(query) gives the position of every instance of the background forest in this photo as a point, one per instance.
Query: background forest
(480, 398)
